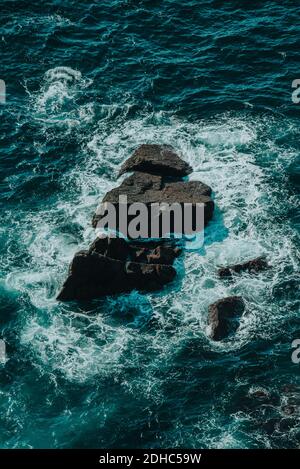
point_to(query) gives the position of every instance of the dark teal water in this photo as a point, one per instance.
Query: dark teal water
(213, 79)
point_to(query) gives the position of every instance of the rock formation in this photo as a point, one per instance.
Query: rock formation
(253, 266)
(223, 316)
(115, 265)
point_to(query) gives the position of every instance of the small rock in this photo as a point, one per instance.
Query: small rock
(289, 409)
(221, 315)
(260, 394)
(252, 266)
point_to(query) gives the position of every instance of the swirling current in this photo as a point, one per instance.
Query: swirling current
(86, 83)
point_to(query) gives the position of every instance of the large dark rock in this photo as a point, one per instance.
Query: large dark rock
(152, 189)
(92, 275)
(223, 315)
(156, 159)
(151, 252)
(252, 266)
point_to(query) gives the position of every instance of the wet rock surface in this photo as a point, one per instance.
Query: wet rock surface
(253, 266)
(152, 189)
(156, 159)
(223, 316)
(259, 394)
(146, 252)
(93, 275)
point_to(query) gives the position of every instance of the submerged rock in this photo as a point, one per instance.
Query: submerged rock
(260, 394)
(289, 409)
(252, 266)
(156, 159)
(222, 316)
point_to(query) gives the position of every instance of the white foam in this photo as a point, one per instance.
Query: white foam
(55, 103)
(225, 154)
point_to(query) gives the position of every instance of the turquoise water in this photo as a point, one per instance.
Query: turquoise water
(86, 84)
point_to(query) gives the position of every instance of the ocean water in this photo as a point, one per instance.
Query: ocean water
(87, 82)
